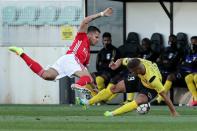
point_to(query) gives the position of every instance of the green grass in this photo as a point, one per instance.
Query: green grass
(74, 118)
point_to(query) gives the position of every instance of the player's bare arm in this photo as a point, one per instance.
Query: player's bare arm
(115, 65)
(169, 103)
(84, 24)
(119, 62)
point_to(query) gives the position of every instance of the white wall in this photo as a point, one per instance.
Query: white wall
(147, 18)
(185, 19)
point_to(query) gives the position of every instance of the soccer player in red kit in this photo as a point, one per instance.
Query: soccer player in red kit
(75, 60)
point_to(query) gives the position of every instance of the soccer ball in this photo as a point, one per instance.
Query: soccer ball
(143, 109)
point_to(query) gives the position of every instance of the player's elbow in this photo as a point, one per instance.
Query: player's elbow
(86, 20)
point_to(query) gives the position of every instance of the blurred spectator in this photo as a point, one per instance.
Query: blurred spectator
(107, 54)
(147, 52)
(168, 63)
(131, 48)
(189, 70)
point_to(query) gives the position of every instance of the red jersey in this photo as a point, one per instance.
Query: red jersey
(81, 48)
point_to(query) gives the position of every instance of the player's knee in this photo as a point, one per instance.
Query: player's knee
(100, 80)
(113, 89)
(48, 76)
(189, 78)
(141, 99)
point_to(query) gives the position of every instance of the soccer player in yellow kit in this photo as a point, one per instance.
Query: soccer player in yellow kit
(150, 77)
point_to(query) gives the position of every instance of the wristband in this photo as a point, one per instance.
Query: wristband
(125, 61)
(102, 14)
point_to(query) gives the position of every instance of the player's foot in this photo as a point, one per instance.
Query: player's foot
(193, 103)
(108, 113)
(80, 101)
(16, 50)
(80, 88)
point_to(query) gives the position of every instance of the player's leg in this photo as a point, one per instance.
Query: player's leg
(130, 83)
(189, 79)
(129, 97)
(84, 79)
(145, 95)
(101, 79)
(105, 94)
(195, 79)
(122, 75)
(130, 106)
(100, 82)
(92, 89)
(49, 74)
(110, 91)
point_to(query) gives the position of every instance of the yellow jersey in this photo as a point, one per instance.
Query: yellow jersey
(152, 78)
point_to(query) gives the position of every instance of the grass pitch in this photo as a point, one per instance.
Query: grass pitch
(74, 118)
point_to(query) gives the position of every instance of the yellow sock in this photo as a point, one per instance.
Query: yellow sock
(113, 96)
(126, 108)
(130, 96)
(90, 87)
(102, 95)
(167, 86)
(191, 86)
(100, 83)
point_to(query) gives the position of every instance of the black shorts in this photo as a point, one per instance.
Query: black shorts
(134, 85)
(120, 76)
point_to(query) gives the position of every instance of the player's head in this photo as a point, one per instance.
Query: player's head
(93, 34)
(146, 44)
(194, 43)
(135, 66)
(172, 40)
(106, 39)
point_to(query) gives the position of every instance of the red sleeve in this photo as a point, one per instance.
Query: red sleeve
(87, 61)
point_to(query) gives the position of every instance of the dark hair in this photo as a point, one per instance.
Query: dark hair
(193, 37)
(146, 40)
(135, 62)
(172, 36)
(107, 34)
(93, 29)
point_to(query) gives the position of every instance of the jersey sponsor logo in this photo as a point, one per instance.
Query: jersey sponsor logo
(130, 78)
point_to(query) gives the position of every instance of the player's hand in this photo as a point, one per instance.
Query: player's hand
(115, 65)
(112, 65)
(175, 114)
(108, 12)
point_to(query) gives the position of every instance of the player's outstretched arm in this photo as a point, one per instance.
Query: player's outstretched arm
(84, 24)
(169, 103)
(156, 83)
(115, 65)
